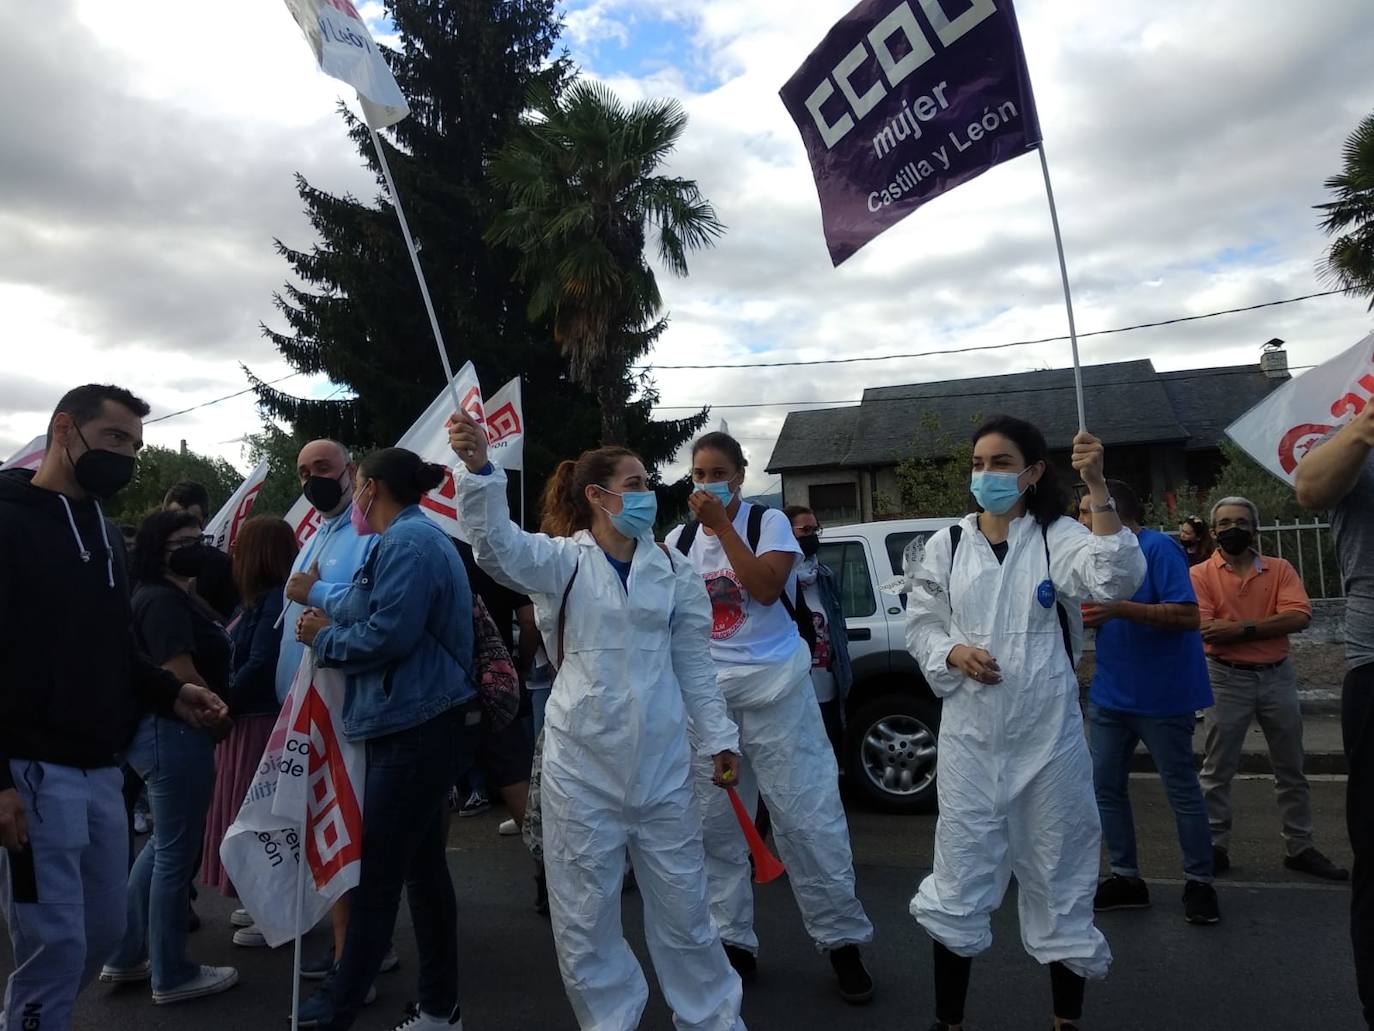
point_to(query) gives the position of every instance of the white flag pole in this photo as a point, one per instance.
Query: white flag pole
(415, 260)
(1068, 299)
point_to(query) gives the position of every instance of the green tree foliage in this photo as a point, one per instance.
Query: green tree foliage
(1349, 217)
(583, 187)
(356, 315)
(282, 486)
(933, 482)
(158, 468)
(1241, 477)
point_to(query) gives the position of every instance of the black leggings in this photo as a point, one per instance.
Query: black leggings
(951, 987)
(1357, 726)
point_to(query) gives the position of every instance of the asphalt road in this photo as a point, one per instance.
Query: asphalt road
(1279, 960)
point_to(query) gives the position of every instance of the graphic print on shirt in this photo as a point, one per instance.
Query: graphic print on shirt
(820, 654)
(727, 604)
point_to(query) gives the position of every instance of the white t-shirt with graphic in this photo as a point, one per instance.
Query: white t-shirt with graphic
(744, 632)
(822, 676)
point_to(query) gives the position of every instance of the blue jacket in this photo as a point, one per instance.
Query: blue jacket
(839, 635)
(256, 636)
(402, 632)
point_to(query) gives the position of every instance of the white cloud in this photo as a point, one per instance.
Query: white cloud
(151, 163)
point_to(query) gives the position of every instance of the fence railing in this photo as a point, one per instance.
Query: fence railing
(1308, 546)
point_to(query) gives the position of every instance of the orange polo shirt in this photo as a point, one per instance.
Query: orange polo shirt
(1270, 586)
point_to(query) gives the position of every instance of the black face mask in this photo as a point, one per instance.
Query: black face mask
(101, 474)
(810, 545)
(1236, 540)
(189, 560)
(323, 492)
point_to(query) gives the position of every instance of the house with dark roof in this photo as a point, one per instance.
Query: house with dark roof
(1161, 429)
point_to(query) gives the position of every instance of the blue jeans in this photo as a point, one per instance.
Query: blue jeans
(539, 701)
(177, 763)
(408, 777)
(1169, 739)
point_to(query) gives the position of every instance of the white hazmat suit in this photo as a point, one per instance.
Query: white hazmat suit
(1014, 776)
(617, 765)
(785, 755)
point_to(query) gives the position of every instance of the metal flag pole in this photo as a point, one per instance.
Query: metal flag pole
(415, 260)
(1068, 299)
(300, 931)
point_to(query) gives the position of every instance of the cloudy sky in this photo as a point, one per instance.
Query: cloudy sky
(149, 151)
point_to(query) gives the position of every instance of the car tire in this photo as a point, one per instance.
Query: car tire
(890, 746)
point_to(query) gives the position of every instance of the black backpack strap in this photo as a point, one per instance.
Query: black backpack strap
(563, 609)
(956, 534)
(687, 536)
(1058, 605)
(755, 527)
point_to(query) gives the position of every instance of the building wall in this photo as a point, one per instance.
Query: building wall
(797, 484)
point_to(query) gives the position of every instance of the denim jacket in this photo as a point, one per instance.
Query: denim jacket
(402, 632)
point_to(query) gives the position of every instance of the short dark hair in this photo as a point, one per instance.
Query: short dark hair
(84, 404)
(1128, 505)
(792, 511)
(148, 564)
(725, 444)
(1048, 501)
(407, 476)
(187, 493)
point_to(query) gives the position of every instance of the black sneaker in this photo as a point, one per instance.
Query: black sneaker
(1310, 861)
(856, 985)
(1221, 860)
(1118, 892)
(746, 964)
(1200, 903)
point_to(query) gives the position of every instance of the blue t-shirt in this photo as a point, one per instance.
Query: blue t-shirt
(621, 568)
(1147, 670)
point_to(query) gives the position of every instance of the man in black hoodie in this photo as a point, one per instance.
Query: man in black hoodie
(72, 689)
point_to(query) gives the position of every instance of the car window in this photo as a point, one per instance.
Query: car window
(848, 562)
(896, 547)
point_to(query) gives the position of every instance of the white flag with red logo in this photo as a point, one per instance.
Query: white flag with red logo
(1279, 430)
(345, 50)
(308, 789)
(428, 438)
(223, 530)
(30, 456)
(506, 427)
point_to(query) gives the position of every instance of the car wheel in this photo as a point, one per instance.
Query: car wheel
(890, 748)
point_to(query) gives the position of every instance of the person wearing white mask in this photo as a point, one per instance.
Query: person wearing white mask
(989, 624)
(628, 628)
(748, 557)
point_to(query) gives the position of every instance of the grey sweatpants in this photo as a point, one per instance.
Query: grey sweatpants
(1271, 696)
(78, 836)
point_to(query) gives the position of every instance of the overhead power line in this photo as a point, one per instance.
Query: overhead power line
(217, 400)
(988, 347)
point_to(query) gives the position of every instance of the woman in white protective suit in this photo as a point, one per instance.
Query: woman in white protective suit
(988, 618)
(629, 628)
(748, 557)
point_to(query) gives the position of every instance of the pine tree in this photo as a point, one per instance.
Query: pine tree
(466, 67)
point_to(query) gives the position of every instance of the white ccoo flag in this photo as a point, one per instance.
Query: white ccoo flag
(506, 427)
(29, 456)
(345, 50)
(224, 528)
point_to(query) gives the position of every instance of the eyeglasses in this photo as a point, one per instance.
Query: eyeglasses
(188, 542)
(810, 531)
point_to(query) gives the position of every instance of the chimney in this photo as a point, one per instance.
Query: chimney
(183, 447)
(1274, 360)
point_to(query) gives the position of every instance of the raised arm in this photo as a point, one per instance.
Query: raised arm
(1328, 471)
(1090, 566)
(694, 667)
(531, 563)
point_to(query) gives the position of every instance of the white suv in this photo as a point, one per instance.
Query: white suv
(892, 718)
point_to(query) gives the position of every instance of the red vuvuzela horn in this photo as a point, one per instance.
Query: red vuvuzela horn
(766, 865)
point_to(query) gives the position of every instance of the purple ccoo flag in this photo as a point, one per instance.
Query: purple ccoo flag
(905, 99)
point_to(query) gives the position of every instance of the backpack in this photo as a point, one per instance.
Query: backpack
(498, 684)
(796, 608)
(956, 533)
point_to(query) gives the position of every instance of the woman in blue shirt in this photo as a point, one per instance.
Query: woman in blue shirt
(403, 635)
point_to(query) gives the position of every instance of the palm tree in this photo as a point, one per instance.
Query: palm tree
(1350, 262)
(583, 193)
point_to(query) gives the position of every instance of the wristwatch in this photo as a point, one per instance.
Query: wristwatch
(1110, 506)
(1249, 628)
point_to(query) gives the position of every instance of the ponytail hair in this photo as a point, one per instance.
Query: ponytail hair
(406, 475)
(565, 495)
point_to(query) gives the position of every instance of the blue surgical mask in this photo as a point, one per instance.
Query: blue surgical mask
(721, 489)
(638, 510)
(997, 493)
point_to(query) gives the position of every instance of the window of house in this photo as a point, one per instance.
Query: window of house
(834, 503)
(848, 562)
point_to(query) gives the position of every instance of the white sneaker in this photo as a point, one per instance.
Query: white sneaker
(143, 823)
(250, 937)
(210, 981)
(508, 828)
(240, 918)
(127, 975)
(416, 1020)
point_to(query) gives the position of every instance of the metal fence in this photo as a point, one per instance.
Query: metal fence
(1311, 549)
